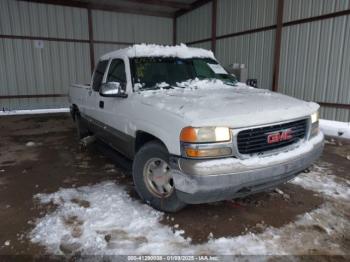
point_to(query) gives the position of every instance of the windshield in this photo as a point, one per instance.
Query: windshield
(166, 72)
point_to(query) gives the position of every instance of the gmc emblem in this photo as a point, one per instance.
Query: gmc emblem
(279, 136)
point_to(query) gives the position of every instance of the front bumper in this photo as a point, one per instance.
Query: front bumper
(203, 181)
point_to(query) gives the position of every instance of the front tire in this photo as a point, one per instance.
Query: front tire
(152, 178)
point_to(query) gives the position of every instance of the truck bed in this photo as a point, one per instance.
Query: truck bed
(78, 93)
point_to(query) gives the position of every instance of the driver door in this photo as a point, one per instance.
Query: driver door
(112, 111)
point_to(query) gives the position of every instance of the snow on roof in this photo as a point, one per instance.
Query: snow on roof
(145, 50)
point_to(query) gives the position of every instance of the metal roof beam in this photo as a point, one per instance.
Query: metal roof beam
(98, 6)
(172, 4)
(194, 6)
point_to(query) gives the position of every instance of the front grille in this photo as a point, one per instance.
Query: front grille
(254, 140)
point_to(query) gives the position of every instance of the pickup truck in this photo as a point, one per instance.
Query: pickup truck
(195, 134)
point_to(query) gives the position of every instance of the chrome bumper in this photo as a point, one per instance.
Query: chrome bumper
(202, 181)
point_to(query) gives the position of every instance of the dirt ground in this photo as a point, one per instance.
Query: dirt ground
(40, 154)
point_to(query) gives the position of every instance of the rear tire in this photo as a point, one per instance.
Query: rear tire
(152, 178)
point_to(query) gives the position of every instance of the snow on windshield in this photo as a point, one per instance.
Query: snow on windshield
(207, 83)
(194, 84)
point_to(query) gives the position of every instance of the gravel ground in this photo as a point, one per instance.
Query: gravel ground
(40, 159)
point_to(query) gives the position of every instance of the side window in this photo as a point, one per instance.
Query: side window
(98, 75)
(116, 72)
(202, 68)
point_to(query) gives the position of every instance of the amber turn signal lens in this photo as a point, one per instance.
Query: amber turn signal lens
(190, 152)
(214, 152)
(188, 134)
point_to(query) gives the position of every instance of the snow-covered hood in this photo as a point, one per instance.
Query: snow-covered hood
(233, 106)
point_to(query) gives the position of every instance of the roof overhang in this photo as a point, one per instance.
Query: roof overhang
(161, 8)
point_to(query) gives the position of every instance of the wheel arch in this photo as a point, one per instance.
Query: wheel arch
(143, 137)
(74, 109)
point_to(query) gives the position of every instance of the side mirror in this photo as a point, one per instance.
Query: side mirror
(112, 89)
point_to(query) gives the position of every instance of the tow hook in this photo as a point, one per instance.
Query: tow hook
(86, 141)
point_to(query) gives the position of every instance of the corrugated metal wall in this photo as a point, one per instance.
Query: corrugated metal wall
(315, 58)
(28, 70)
(299, 9)
(128, 28)
(111, 26)
(253, 50)
(31, 19)
(232, 17)
(204, 45)
(194, 25)
(241, 15)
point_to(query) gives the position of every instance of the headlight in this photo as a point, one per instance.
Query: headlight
(205, 134)
(314, 117)
(206, 142)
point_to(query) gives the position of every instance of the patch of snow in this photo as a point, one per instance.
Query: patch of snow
(30, 144)
(321, 180)
(196, 83)
(162, 85)
(149, 50)
(113, 224)
(34, 111)
(111, 212)
(330, 142)
(183, 89)
(335, 128)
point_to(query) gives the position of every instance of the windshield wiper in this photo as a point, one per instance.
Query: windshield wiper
(230, 83)
(157, 87)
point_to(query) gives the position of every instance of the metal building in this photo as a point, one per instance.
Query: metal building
(298, 47)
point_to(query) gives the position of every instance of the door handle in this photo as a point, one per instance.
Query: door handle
(101, 104)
